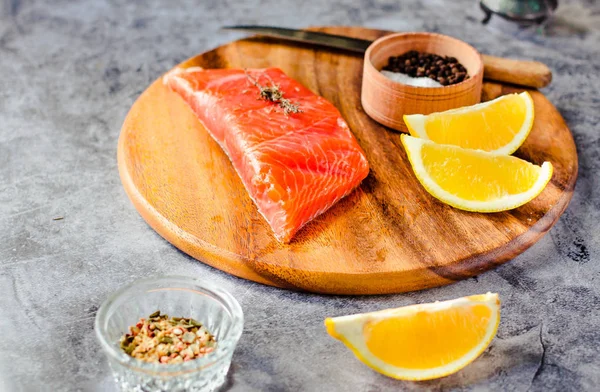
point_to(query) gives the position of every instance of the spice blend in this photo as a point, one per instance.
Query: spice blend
(446, 70)
(160, 339)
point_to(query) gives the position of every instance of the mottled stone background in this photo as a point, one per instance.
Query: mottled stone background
(69, 71)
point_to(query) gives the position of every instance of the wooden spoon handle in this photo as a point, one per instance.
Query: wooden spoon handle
(521, 72)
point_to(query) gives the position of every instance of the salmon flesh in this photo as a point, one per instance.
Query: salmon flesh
(295, 166)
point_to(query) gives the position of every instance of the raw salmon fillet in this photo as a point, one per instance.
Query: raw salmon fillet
(295, 166)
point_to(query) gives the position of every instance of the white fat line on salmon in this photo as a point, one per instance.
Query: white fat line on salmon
(194, 69)
(172, 73)
(178, 71)
(184, 83)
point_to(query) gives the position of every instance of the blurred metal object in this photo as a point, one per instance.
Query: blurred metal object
(520, 11)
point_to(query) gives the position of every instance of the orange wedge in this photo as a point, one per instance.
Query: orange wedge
(421, 342)
(499, 126)
(475, 180)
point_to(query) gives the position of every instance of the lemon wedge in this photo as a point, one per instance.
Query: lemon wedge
(475, 180)
(421, 342)
(499, 126)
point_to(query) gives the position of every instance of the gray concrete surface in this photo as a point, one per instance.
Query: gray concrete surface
(69, 71)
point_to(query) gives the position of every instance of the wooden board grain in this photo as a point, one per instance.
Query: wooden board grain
(388, 236)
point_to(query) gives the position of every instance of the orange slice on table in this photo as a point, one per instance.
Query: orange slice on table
(421, 342)
(499, 126)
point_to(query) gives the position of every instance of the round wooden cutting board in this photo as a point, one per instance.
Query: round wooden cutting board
(387, 236)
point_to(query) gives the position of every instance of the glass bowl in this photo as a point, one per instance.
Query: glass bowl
(177, 296)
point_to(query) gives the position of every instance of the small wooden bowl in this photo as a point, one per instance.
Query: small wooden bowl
(387, 101)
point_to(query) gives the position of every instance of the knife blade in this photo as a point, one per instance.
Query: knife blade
(521, 72)
(314, 37)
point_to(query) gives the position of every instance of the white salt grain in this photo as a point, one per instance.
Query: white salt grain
(409, 80)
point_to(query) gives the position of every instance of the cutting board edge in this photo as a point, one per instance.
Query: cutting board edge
(353, 283)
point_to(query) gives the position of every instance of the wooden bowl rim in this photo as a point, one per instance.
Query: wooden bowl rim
(439, 91)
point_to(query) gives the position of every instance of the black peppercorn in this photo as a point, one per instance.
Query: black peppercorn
(446, 70)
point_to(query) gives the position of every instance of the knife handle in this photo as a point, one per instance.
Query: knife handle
(521, 72)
